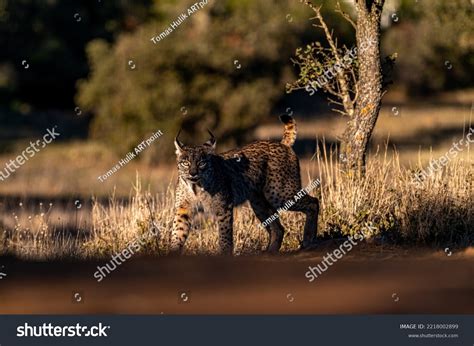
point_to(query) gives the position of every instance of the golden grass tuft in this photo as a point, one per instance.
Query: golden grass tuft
(440, 213)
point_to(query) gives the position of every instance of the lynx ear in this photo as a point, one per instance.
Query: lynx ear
(212, 141)
(179, 146)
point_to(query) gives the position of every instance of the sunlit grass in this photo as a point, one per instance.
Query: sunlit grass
(440, 213)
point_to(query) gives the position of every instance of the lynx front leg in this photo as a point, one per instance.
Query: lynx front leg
(225, 219)
(181, 226)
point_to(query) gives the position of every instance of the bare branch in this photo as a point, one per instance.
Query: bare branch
(291, 87)
(332, 91)
(344, 95)
(356, 91)
(341, 82)
(345, 15)
(339, 111)
(319, 17)
(335, 102)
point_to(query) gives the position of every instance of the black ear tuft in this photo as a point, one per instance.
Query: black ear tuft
(178, 144)
(212, 141)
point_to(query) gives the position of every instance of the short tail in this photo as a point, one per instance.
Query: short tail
(289, 135)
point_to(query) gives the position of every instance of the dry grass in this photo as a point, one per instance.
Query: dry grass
(440, 213)
(437, 213)
(41, 236)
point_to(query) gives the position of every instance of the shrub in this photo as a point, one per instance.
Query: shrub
(196, 67)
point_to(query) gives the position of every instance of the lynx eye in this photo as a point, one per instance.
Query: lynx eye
(202, 164)
(184, 164)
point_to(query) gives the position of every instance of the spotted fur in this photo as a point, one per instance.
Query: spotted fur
(265, 173)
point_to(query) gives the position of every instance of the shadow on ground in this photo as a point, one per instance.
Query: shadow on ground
(368, 280)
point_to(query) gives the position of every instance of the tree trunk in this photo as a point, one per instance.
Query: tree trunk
(369, 86)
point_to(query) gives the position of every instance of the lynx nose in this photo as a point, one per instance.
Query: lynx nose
(193, 177)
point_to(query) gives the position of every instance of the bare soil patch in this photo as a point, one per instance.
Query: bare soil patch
(369, 280)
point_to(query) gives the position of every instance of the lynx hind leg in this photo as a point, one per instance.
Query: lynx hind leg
(310, 206)
(263, 210)
(181, 227)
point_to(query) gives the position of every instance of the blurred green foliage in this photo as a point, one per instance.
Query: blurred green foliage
(195, 66)
(435, 45)
(50, 35)
(227, 64)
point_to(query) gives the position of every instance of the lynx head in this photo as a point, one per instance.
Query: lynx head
(194, 162)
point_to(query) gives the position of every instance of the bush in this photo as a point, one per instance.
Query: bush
(431, 37)
(196, 67)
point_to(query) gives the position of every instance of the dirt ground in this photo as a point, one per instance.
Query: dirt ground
(368, 280)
